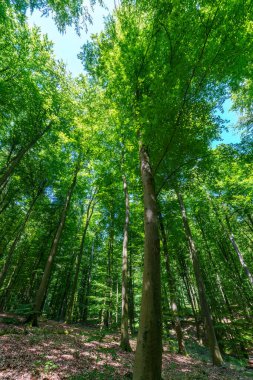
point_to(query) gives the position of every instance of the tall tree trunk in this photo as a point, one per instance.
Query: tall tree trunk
(238, 252)
(243, 264)
(89, 213)
(191, 296)
(172, 291)
(107, 303)
(6, 295)
(33, 280)
(215, 284)
(107, 309)
(148, 357)
(131, 295)
(224, 246)
(213, 344)
(87, 286)
(124, 338)
(62, 310)
(213, 263)
(117, 303)
(242, 296)
(41, 293)
(18, 236)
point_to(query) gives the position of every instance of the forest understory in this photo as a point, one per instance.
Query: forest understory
(57, 351)
(125, 199)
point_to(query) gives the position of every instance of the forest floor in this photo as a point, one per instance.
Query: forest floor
(57, 351)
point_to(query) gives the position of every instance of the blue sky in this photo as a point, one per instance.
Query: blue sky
(232, 135)
(68, 45)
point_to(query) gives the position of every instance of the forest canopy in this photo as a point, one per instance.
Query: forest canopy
(116, 210)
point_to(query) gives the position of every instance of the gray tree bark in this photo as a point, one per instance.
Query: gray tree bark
(148, 356)
(213, 344)
(18, 236)
(172, 291)
(89, 213)
(41, 293)
(124, 338)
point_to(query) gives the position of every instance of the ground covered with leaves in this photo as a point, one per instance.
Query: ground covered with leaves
(59, 351)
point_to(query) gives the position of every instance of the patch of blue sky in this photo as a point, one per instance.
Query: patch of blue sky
(68, 45)
(50, 194)
(232, 135)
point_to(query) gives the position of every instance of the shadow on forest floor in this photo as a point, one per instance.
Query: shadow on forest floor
(59, 351)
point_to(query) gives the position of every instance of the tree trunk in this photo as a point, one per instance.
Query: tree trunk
(33, 280)
(172, 291)
(148, 357)
(87, 286)
(242, 296)
(6, 295)
(193, 302)
(107, 309)
(41, 293)
(213, 344)
(62, 312)
(228, 233)
(124, 338)
(89, 213)
(18, 236)
(191, 296)
(131, 311)
(243, 264)
(238, 252)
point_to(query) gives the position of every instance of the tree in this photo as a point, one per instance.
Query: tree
(205, 309)
(172, 289)
(154, 79)
(89, 212)
(40, 295)
(32, 84)
(168, 88)
(65, 13)
(124, 339)
(149, 344)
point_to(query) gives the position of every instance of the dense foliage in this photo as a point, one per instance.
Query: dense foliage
(70, 189)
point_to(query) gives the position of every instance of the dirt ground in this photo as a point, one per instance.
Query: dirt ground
(57, 351)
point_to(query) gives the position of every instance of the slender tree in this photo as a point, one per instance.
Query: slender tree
(41, 293)
(172, 290)
(19, 234)
(89, 212)
(124, 339)
(205, 308)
